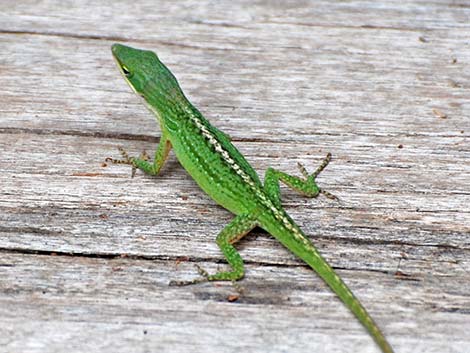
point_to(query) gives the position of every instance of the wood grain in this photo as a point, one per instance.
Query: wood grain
(86, 252)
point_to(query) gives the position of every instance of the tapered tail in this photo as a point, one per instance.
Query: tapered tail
(292, 238)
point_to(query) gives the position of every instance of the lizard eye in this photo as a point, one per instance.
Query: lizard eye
(126, 71)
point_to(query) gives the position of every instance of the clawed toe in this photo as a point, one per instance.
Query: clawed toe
(302, 169)
(126, 159)
(323, 165)
(329, 195)
(176, 283)
(204, 278)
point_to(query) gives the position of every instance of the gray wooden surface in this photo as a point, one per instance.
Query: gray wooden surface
(86, 252)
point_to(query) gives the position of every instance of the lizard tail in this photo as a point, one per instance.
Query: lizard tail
(293, 238)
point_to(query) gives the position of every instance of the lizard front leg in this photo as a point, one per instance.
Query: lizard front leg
(142, 162)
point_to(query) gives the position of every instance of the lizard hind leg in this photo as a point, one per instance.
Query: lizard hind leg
(233, 232)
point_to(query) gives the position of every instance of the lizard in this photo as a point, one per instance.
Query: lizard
(216, 165)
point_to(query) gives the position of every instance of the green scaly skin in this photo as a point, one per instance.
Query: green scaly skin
(223, 173)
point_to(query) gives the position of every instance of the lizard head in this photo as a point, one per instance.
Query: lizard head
(146, 74)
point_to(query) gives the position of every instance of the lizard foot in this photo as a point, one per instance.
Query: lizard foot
(126, 159)
(204, 277)
(311, 177)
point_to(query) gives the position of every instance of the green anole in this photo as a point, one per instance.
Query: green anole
(224, 174)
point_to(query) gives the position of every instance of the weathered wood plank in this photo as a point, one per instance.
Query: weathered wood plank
(111, 305)
(381, 85)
